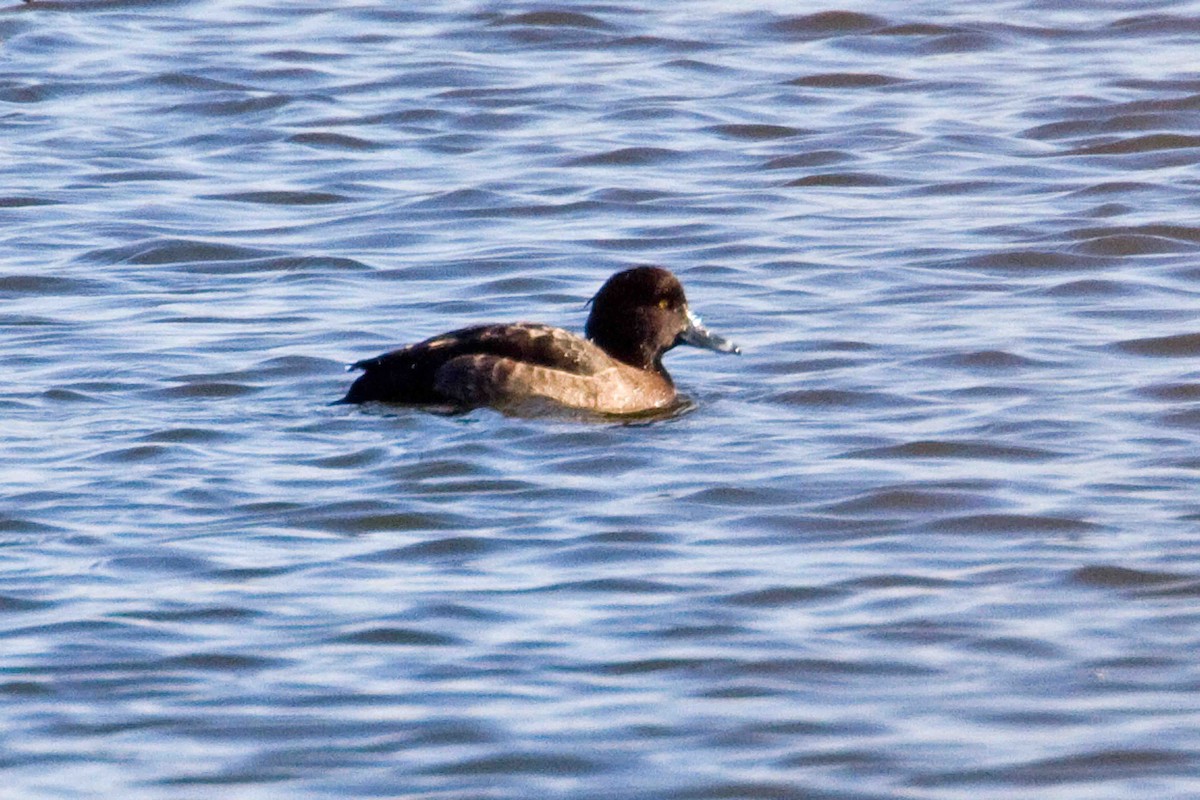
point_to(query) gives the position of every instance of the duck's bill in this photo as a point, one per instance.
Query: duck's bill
(697, 335)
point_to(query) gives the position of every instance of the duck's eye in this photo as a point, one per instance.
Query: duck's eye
(664, 303)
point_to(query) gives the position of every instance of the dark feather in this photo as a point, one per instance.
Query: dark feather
(408, 375)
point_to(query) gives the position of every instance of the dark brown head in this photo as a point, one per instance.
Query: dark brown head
(641, 313)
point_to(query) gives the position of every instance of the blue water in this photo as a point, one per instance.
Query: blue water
(933, 535)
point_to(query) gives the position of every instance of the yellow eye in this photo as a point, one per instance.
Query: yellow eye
(664, 303)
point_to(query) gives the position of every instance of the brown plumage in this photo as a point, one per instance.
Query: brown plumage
(636, 317)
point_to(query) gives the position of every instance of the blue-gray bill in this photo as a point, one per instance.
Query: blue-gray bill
(697, 335)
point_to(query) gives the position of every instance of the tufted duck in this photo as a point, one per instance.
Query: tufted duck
(637, 315)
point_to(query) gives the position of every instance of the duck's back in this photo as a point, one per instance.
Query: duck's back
(478, 365)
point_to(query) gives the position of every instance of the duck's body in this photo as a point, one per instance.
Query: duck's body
(636, 316)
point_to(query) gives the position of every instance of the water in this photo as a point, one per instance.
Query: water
(932, 536)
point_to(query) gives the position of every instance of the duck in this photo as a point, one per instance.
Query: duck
(615, 368)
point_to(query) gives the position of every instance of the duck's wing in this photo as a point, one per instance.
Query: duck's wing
(409, 375)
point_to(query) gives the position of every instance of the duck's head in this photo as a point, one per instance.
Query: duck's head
(641, 313)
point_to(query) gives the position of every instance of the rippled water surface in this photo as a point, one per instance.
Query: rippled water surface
(934, 535)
